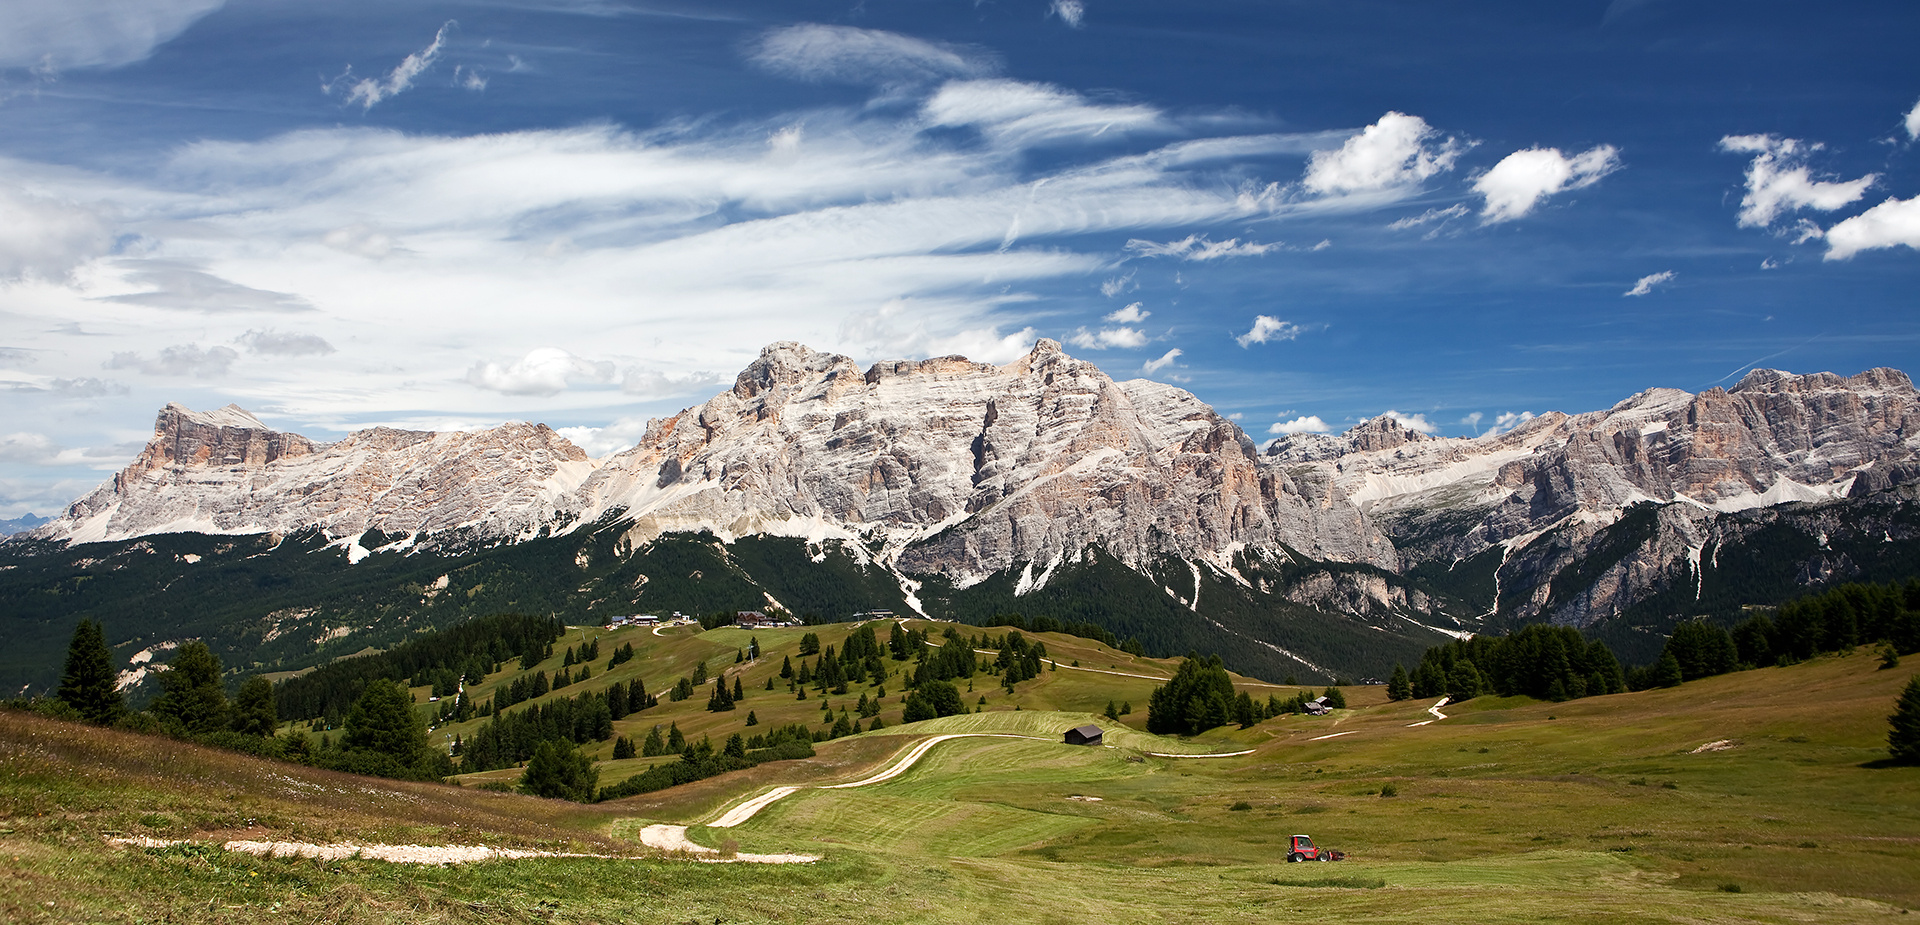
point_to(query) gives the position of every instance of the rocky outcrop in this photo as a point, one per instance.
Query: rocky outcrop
(226, 472)
(964, 469)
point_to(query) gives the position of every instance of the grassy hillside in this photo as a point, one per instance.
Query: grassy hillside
(1510, 810)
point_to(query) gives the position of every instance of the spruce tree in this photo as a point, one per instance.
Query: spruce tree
(253, 708)
(1667, 672)
(752, 720)
(558, 771)
(653, 745)
(382, 721)
(193, 698)
(1903, 740)
(1399, 687)
(87, 683)
(738, 694)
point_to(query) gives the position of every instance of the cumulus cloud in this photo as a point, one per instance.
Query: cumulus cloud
(1165, 360)
(1308, 424)
(274, 343)
(1132, 314)
(93, 33)
(544, 371)
(1104, 338)
(1267, 328)
(1913, 122)
(1397, 151)
(1522, 179)
(1417, 422)
(599, 442)
(1779, 180)
(1197, 247)
(1509, 420)
(1020, 113)
(1646, 283)
(844, 54)
(188, 288)
(1889, 224)
(370, 91)
(1071, 12)
(178, 360)
(43, 238)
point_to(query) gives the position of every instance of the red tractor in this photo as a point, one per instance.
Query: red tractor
(1302, 848)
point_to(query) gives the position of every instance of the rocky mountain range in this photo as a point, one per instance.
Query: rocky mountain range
(959, 488)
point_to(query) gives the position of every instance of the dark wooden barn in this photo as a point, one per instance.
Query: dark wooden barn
(1084, 735)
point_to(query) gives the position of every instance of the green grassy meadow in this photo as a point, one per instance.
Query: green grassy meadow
(1510, 810)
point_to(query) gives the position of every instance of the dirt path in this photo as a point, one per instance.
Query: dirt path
(1435, 710)
(397, 854)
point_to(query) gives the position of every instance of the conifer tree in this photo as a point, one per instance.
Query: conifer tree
(1903, 740)
(676, 741)
(382, 721)
(653, 745)
(559, 771)
(1338, 700)
(1399, 687)
(193, 697)
(622, 748)
(1667, 672)
(752, 720)
(253, 708)
(87, 683)
(738, 694)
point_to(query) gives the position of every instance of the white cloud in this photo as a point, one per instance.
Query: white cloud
(1308, 424)
(1913, 122)
(1071, 12)
(1509, 420)
(1132, 314)
(1268, 328)
(1473, 420)
(363, 240)
(178, 360)
(1646, 283)
(1166, 359)
(844, 54)
(46, 238)
(1020, 113)
(1197, 247)
(181, 286)
(544, 371)
(1779, 180)
(274, 343)
(599, 442)
(1397, 151)
(1122, 337)
(1116, 286)
(369, 91)
(1521, 179)
(93, 33)
(1417, 422)
(1889, 224)
(1431, 215)
(652, 383)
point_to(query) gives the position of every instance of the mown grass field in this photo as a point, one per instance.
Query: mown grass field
(1510, 810)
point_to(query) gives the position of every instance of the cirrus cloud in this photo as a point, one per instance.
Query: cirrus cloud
(845, 54)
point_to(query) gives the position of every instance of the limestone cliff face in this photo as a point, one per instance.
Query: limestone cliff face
(1547, 490)
(941, 466)
(226, 472)
(964, 469)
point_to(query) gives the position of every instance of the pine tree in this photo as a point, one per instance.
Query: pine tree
(738, 695)
(653, 745)
(87, 684)
(253, 708)
(1667, 672)
(194, 698)
(622, 748)
(1399, 687)
(1903, 740)
(382, 721)
(557, 770)
(752, 720)
(676, 740)
(769, 682)
(1338, 700)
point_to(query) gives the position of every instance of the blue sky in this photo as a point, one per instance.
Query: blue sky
(589, 213)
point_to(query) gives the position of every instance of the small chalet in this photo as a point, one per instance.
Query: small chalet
(1318, 706)
(748, 619)
(1084, 735)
